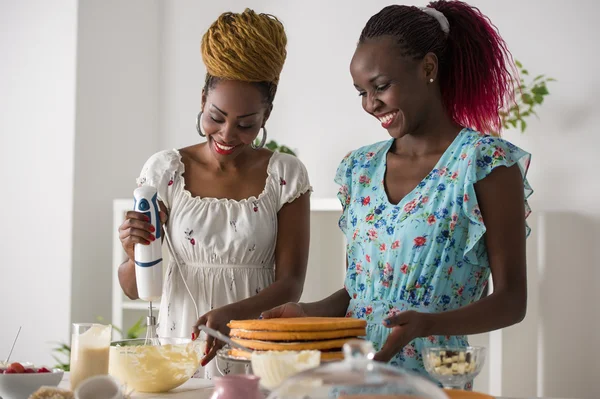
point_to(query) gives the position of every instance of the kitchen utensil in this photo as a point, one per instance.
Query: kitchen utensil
(222, 337)
(21, 386)
(13, 346)
(148, 258)
(155, 368)
(357, 376)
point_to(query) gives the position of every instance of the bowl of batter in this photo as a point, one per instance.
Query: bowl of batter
(157, 366)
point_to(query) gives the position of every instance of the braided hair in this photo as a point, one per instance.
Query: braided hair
(475, 64)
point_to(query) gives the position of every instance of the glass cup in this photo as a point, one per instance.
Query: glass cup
(90, 345)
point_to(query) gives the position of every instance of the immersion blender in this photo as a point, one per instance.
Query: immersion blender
(148, 258)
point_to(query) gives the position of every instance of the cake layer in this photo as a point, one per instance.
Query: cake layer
(292, 346)
(325, 356)
(297, 336)
(298, 324)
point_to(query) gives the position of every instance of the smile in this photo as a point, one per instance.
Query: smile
(224, 149)
(387, 119)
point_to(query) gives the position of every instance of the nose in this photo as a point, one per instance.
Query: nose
(371, 103)
(228, 134)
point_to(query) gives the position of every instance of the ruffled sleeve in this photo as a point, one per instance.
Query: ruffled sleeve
(292, 178)
(162, 170)
(488, 154)
(343, 178)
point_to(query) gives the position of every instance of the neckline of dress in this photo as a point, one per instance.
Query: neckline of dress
(250, 199)
(411, 193)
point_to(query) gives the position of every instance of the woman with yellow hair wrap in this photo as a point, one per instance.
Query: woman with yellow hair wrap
(237, 214)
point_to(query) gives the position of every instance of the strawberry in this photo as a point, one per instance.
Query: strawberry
(43, 370)
(17, 367)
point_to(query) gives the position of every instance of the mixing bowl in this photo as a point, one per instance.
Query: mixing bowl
(154, 368)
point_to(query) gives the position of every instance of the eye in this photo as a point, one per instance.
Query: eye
(245, 127)
(381, 88)
(362, 93)
(215, 120)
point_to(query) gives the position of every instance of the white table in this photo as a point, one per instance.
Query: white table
(195, 388)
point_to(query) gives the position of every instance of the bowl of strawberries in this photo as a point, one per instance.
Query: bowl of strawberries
(20, 380)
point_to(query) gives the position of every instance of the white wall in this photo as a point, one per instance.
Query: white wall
(37, 131)
(318, 112)
(117, 129)
(138, 90)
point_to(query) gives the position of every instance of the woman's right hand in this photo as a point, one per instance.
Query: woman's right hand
(288, 310)
(136, 229)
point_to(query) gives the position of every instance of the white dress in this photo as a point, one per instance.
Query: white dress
(226, 248)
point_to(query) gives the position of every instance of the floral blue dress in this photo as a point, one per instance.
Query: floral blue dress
(427, 252)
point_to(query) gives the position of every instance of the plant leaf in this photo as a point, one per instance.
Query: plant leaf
(523, 126)
(540, 90)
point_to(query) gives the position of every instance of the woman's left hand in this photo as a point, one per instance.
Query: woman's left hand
(405, 326)
(217, 319)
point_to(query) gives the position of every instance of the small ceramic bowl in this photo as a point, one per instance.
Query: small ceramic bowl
(21, 386)
(275, 367)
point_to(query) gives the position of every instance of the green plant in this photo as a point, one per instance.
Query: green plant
(64, 350)
(274, 146)
(528, 96)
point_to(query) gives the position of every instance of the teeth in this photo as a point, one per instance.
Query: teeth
(387, 117)
(224, 147)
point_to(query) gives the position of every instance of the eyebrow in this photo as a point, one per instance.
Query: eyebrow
(371, 80)
(225, 113)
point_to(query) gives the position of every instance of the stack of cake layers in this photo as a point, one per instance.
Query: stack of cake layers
(325, 334)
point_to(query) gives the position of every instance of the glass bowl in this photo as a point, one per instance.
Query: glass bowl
(453, 367)
(154, 368)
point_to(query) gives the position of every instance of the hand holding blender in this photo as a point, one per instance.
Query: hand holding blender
(148, 257)
(141, 236)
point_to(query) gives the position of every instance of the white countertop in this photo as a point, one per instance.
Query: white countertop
(197, 388)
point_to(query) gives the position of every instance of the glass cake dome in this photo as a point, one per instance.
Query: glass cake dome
(358, 376)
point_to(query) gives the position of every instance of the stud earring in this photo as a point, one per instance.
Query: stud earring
(431, 80)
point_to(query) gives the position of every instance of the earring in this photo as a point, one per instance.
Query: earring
(198, 127)
(262, 142)
(431, 80)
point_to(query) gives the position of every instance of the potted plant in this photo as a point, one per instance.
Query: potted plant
(529, 95)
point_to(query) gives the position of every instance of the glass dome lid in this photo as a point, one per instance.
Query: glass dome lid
(358, 376)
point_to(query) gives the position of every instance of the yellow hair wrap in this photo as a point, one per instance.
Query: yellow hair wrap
(249, 47)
